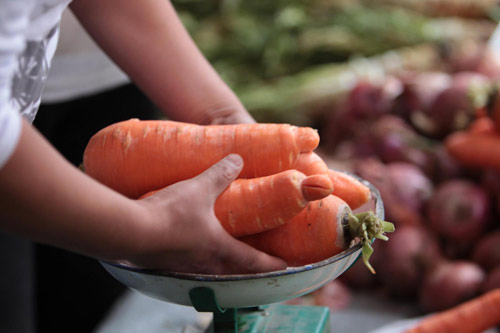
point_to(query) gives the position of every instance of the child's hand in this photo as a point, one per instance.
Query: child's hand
(182, 234)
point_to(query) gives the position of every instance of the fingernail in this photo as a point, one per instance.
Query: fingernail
(235, 159)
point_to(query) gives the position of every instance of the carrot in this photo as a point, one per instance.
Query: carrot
(482, 125)
(473, 316)
(310, 163)
(250, 206)
(325, 228)
(476, 150)
(134, 157)
(351, 190)
(345, 186)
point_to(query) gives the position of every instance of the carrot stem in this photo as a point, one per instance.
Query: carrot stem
(367, 226)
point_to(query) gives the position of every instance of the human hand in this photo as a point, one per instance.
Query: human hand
(181, 232)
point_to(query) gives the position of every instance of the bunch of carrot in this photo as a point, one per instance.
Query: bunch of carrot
(479, 145)
(475, 315)
(285, 195)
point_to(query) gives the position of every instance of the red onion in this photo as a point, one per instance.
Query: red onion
(420, 90)
(393, 140)
(490, 181)
(445, 166)
(365, 102)
(411, 185)
(369, 100)
(449, 284)
(459, 210)
(477, 58)
(487, 250)
(396, 210)
(454, 107)
(410, 252)
(492, 280)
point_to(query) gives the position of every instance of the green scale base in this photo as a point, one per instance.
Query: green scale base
(268, 318)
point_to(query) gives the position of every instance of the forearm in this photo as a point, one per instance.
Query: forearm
(149, 42)
(46, 199)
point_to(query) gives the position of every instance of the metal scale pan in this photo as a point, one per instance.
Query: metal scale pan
(246, 290)
(248, 303)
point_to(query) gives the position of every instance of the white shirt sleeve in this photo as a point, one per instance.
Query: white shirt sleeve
(14, 18)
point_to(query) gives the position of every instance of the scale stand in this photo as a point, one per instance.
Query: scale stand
(261, 319)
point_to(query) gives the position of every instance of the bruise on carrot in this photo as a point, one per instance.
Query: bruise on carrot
(134, 157)
(325, 228)
(250, 206)
(476, 150)
(475, 315)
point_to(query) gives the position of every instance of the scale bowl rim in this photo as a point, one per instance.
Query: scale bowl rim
(378, 210)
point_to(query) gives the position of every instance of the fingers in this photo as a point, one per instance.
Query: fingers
(242, 258)
(218, 177)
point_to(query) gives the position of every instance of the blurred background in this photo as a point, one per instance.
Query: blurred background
(385, 82)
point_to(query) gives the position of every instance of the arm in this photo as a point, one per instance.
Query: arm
(46, 199)
(148, 41)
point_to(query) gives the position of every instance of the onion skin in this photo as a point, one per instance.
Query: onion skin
(490, 181)
(445, 166)
(492, 280)
(405, 259)
(364, 103)
(410, 184)
(477, 58)
(449, 284)
(420, 91)
(455, 107)
(393, 140)
(459, 210)
(404, 189)
(487, 251)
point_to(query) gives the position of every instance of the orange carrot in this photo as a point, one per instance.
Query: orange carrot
(134, 157)
(249, 206)
(325, 228)
(482, 125)
(473, 316)
(310, 163)
(477, 150)
(351, 190)
(345, 186)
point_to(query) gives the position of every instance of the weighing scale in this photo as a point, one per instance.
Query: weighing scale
(250, 303)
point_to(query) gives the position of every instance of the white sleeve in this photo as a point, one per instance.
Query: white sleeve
(14, 18)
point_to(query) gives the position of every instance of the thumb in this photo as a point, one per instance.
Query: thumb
(218, 177)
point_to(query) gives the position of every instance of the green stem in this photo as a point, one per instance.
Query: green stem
(367, 226)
